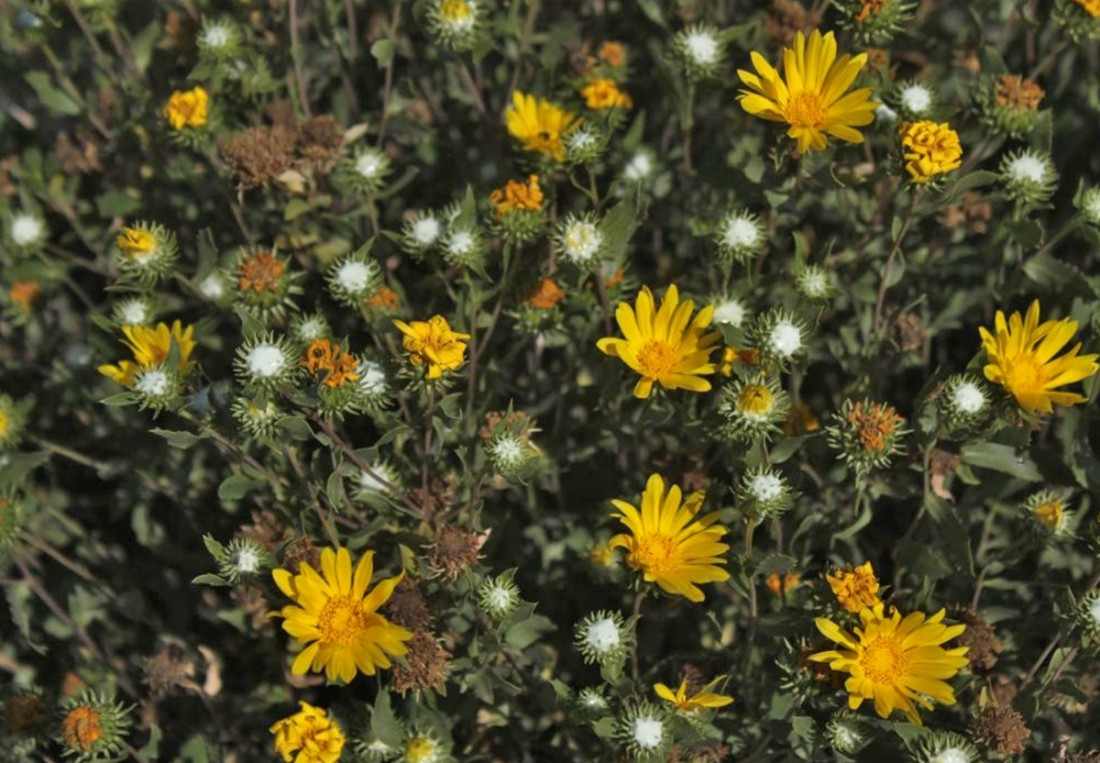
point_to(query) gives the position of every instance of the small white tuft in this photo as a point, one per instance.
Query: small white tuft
(785, 338)
(766, 487)
(1028, 168)
(425, 231)
(153, 382)
(648, 732)
(702, 47)
(731, 311)
(354, 276)
(26, 229)
(916, 99)
(603, 635)
(265, 360)
(968, 398)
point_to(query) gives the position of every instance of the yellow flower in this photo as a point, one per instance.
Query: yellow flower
(855, 588)
(518, 195)
(894, 661)
(780, 585)
(812, 95)
(669, 543)
(434, 344)
(539, 124)
(1052, 514)
(311, 734)
(455, 11)
(187, 108)
(662, 346)
(151, 347)
(136, 242)
(703, 699)
(1021, 359)
(604, 93)
(929, 149)
(1092, 7)
(336, 619)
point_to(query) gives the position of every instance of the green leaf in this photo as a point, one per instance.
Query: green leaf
(779, 564)
(119, 399)
(178, 438)
(526, 632)
(51, 97)
(617, 226)
(19, 465)
(216, 549)
(1000, 458)
(236, 486)
(116, 204)
(209, 578)
(383, 51)
(384, 723)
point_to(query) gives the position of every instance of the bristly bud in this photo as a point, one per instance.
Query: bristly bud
(604, 639)
(216, 287)
(753, 408)
(943, 747)
(580, 242)
(1087, 202)
(376, 483)
(585, 144)
(455, 24)
(373, 388)
(765, 491)
(145, 252)
(219, 40)
(306, 328)
(1088, 616)
(730, 311)
(498, 597)
(421, 233)
(814, 283)
(592, 703)
(779, 336)
(158, 387)
(1080, 19)
(259, 417)
(354, 278)
(1029, 177)
(965, 403)
(13, 418)
(1010, 104)
(263, 286)
(244, 559)
(365, 172)
(701, 50)
(1048, 513)
(508, 444)
(137, 310)
(846, 733)
(644, 729)
(867, 435)
(266, 363)
(740, 237)
(92, 727)
(876, 22)
(913, 100)
(422, 746)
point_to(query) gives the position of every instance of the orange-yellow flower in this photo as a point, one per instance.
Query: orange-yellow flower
(538, 124)
(1021, 359)
(336, 619)
(603, 94)
(929, 149)
(855, 588)
(434, 344)
(669, 543)
(546, 295)
(704, 699)
(187, 108)
(517, 194)
(666, 345)
(812, 95)
(151, 347)
(308, 736)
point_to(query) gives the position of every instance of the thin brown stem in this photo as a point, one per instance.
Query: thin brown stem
(296, 55)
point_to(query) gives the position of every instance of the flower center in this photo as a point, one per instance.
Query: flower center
(655, 553)
(657, 359)
(455, 10)
(805, 110)
(1050, 514)
(81, 728)
(755, 400)
(5, 422)
(419, 749)
(1024, 375)
(341, 620)
(261, 272)
(883, 660)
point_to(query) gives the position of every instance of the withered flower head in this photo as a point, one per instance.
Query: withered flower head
(425, 666)
(258, 155)
(168, 669)
(407, 606)
(1001, 730)
(982, 640)
(454, 550)
(301, 550)
(320, 138)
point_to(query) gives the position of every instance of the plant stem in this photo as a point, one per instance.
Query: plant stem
(887, 269)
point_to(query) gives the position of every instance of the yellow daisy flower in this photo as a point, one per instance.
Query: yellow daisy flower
(895, 661)
(151, 347)
(669, 543)
(539, 124)
(701, 700)
(336, 619)
(811, 96)
(308, 736)
(662, 346)
(1021, 359)
(929, 149)
(187, 108)
(434, 344)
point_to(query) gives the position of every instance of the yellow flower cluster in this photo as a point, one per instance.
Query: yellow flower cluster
(604, 93)
(929, 149)
(539, 125)
(855, 588)
(517, 194)
(308, 736)
(434, 345)
(187, 108)
(136, 242)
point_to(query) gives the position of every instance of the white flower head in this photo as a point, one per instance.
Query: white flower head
(212, 287)
(592, 699)
(603, 635)
(765, 486)
(217, 36)
(967, 397)
(639, 168)
(1027, 167)
(730, 311)
(915, 98)
(602, 638)
(27, 229)
(813, 282)
(425, 230)
(311, 328)
(133, 312)
(740, 232)
(580, 240)
(951, 755)
(370, 164)
(377, 480)
(702, 46)
(372, 378)
(508, 453)
(461, 243)
(581, 139)
(153, 382)
(785, 338)
(355, 276)
(265, 361)
(498, 597)
(647, 731)
(247, 560)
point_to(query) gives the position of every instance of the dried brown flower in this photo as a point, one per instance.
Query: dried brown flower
(435, 499)
(1001, 730)
(714, 753)
(258, 155)
(910, 331)
(1019, 94)
(455, 550)
(980, 637)
(407, 606)
(425, 665)
(301, 550)
(786, 18)
(253, 603)
(971, 212)
(77, 152)
(320, 138)
(266, 529)
(24, 712)
(168, 669)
